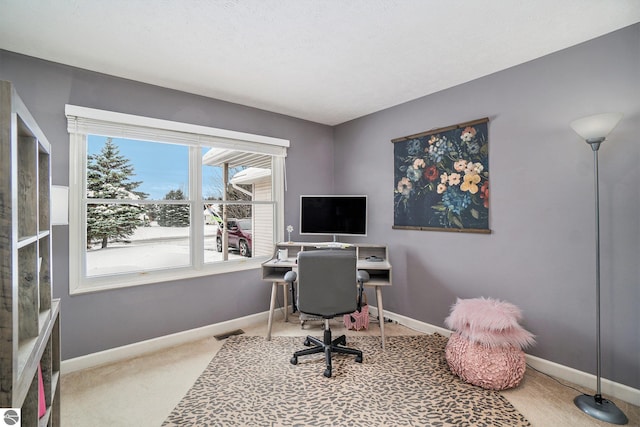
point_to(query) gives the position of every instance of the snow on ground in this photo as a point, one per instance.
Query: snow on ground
(157, 232)
(151, 248)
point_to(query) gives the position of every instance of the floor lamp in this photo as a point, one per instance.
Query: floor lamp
(594, 129)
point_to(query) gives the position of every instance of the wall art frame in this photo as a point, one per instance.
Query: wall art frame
(441, 179)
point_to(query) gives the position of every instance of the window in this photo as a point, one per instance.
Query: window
(153, 200)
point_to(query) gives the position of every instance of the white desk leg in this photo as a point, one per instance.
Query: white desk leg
(272, 307)
(285, 292)
(380, 312)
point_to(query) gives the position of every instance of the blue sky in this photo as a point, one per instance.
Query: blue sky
(165, 170)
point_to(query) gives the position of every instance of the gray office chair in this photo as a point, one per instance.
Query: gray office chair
(327, 287)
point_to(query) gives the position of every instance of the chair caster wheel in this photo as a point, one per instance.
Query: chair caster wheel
(294, 360)
(307, 342)
(359, 359)
(327, 373)
(343, 341)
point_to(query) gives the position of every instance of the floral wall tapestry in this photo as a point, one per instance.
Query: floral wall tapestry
(442, 179)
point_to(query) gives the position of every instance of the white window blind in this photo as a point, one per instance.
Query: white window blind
(83, 120)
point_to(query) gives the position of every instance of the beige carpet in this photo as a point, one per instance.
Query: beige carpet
(250, 382)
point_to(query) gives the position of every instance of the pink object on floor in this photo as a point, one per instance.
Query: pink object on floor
(496, 368)
(486, 348)
(489, 322)
(358, 320)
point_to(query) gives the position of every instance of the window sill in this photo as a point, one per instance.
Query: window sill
(160, 276)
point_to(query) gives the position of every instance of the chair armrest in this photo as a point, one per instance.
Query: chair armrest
(290, 276)
(362, 276)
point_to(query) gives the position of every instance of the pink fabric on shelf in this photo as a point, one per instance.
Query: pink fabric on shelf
(497, 368)
(42, 404)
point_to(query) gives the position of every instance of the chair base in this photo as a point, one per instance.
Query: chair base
(327, 346)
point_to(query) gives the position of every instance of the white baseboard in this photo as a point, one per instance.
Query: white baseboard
(609, 388)
(410, 323)
(148, 346)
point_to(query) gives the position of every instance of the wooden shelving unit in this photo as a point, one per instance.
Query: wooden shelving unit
(29, 318)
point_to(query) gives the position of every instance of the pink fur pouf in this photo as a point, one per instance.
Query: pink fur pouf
(486, 348)
(496, 368)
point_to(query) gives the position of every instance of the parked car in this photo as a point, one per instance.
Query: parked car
(239, 231)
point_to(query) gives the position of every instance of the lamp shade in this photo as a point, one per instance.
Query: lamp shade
(596, 126)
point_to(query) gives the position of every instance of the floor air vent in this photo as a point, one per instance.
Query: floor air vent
(228, 334)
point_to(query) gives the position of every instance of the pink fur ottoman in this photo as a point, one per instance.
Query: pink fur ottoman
(486, 348)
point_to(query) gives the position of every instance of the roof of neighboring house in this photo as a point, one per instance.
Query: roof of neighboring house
(250, 175)
(234, 158)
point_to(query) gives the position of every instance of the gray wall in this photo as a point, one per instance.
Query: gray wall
(103, 320)
(540, 255)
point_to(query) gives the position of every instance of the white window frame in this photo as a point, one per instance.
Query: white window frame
(83, 121)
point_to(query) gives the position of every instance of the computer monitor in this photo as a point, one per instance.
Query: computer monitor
(334, 215)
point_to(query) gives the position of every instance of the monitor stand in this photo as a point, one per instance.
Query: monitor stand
(335, 243)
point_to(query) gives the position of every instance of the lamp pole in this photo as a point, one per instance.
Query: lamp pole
(595, 146)
(596, 406)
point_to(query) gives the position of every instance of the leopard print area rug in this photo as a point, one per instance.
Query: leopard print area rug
(250, 382)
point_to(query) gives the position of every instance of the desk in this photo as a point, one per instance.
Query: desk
(273, 271)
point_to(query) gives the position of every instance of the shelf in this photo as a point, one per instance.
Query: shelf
(275, 274)
(27, 179)
(43, 320)
(378, 281)
(30, 330)
(44, 272)
(373, 265)
(27, 282)
(44, 189)
(26, 240)
(31, 351)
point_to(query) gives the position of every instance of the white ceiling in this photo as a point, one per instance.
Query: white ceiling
(328, 61)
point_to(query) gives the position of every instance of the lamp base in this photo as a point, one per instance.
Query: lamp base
(605, 410)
